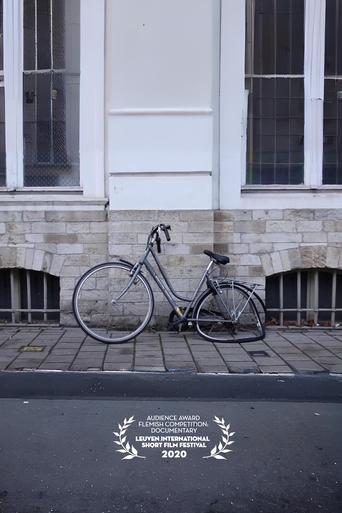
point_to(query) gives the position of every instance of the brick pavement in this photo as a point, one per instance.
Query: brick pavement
(69, 349)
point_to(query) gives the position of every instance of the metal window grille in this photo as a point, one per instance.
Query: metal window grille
(28, 297)
(332, 117)
(305, 298)
(51, 92)
(2, 105)
(275, 85)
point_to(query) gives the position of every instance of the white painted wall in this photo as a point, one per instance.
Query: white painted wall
(159, 101)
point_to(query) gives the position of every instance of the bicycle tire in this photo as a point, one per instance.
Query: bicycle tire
(228, 326)
(99, 317)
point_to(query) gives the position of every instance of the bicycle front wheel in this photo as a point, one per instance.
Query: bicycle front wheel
(109, 306)
(229, 315)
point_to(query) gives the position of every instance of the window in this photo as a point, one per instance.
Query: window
(292, 47)
(39, 105)
(51, 92)
(28, 297)
(305, 298)
(2, 104)
(275, 83)
(332, 153)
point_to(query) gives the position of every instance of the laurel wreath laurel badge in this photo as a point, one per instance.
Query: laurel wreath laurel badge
(217, 451)
(126, 447)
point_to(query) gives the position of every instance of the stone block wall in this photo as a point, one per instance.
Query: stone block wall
(61, 243)
(259, 242)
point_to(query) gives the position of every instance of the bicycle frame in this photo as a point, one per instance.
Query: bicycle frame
(168, 291)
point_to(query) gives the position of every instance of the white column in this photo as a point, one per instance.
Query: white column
(314, 91)
(13, 73)
(232, 94)
(92, 98)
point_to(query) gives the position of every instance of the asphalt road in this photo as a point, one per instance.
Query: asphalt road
(59, 456)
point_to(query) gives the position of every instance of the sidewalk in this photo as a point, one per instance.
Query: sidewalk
(283, 351)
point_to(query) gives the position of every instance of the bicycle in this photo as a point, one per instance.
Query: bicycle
(113, 302)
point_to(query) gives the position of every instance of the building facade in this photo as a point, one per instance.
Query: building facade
(221, 118)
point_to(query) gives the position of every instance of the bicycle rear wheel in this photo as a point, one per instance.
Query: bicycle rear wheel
(102, 313)
(229, 316)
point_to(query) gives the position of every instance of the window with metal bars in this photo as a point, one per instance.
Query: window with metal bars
(2, 104)
(275, 85)
(51, 92)
(305, 298)
(28, 297)
(332, 117)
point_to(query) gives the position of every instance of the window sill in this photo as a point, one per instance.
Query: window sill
(49, 199)
(41, 190)
(252, 189)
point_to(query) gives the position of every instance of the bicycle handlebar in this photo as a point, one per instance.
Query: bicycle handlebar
(155, 232)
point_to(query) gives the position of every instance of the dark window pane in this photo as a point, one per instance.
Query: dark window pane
(1, 37)
(29, 35)
(275, 139)
(43, 34)
(272, 298)
(2, 138)
(333, 37)
(278, 29)
(58, 31)
(332, 130)
(52, 296)
(5, 296)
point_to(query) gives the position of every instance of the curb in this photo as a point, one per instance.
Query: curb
(178, 385)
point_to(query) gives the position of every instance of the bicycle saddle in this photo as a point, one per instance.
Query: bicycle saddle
(219, 259)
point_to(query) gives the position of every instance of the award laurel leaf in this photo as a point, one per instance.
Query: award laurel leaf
(217, 451)
(126, 447)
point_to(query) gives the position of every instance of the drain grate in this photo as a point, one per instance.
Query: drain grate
(258, 353)
(31, 349)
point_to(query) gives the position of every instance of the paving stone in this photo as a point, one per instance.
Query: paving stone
(243, 367)
(275, 369)
(237, 358)
(59, 358)
(262, 360)
(142, 368)
(296, 357)
(63, 366)
(63, 352)
(336, 368)
(120, 366)
(306, 367)
(213, 368)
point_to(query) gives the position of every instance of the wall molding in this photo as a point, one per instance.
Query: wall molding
(161, 111)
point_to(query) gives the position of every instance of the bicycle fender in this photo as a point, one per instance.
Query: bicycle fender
(126, 262)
